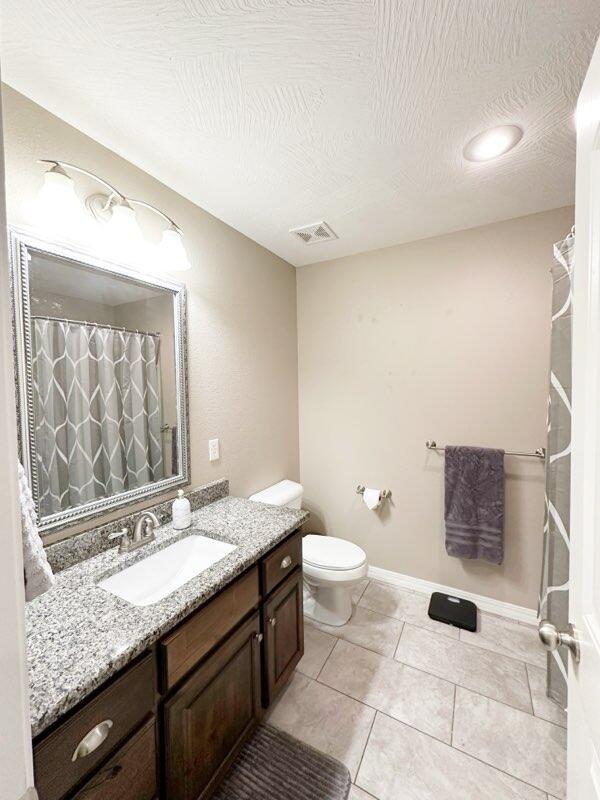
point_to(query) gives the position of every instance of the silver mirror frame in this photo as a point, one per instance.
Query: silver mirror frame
(21, 244)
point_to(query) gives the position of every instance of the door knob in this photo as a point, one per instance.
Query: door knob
(552, 638)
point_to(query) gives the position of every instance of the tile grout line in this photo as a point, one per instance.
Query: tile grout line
(431, 675)
(419, 593)
(530, 692)
(397, 645)
(316, 679)
(466, 753)
(364, 791)
(366, 744)
(453, 713)
(424, 733)
(437, 632)
(377, 710)
(362, 593)
(473, 647)
(425, 672)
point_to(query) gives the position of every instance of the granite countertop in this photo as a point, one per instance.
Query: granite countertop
(78, 635)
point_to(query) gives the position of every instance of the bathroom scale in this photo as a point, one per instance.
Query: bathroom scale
(453, 611)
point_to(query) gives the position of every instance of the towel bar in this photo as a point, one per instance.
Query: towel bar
(431, 444)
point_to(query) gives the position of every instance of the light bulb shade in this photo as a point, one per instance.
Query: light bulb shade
(57, 208)
(122, 222)
(171, 252)
(125, 242)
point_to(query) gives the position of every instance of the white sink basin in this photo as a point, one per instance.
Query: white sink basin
(155, 577)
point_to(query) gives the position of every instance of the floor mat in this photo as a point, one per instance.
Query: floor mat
(274, 766)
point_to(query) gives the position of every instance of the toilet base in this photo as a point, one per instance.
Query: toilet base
(330, 605)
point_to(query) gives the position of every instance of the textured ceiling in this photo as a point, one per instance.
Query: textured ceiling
(273, 114)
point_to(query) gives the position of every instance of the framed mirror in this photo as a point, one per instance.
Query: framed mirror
(100, 360)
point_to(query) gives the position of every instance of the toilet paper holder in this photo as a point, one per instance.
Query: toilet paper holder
(384, 494)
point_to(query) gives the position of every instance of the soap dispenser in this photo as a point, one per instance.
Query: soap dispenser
(182, 512)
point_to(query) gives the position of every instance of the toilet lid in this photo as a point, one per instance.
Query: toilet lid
(328, 552)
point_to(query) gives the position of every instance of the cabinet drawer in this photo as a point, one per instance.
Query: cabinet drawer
(281, 562)
(130, 774)
(183, 649)
(60, 760)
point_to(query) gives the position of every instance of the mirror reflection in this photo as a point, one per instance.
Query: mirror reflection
(103, 383)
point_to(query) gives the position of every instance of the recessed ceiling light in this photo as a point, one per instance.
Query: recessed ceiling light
(492, 143)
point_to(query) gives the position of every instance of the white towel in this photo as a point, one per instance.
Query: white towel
(38, 573)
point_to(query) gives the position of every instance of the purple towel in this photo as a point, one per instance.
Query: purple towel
(474, 503)
(174, 453)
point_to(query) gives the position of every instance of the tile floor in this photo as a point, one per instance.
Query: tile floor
(420, 711)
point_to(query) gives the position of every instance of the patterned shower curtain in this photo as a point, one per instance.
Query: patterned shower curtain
(554, 592)
(97, 412)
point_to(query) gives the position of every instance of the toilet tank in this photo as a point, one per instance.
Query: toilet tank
(285, 493)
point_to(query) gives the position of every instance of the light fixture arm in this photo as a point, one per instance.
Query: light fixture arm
(66, 164)
(160, 213)
(113, 192)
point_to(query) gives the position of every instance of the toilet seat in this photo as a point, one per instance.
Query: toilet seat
(330, 554)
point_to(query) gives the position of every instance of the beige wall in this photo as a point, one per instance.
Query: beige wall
(446, 339)
(241, 307)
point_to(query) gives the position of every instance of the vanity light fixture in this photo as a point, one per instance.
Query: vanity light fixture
(125, 236)
(493, 143)
(57, 205)
(171, 249)
(115, 209)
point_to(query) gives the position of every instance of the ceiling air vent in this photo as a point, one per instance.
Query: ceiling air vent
(317, 232)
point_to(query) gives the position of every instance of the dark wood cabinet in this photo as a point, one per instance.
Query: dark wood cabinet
(198, 634)
(281, 562)
(212, 714)
(283, 625)
(217, 669)
(130, 774)
(75, 749)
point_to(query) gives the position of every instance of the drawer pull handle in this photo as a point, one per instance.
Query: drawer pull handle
(287, 562)
(92, 740)
(102, 777)
(272, 622)
(258, 637)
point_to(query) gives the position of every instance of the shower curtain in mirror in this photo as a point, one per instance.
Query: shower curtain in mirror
(97, 411)
(554, 593)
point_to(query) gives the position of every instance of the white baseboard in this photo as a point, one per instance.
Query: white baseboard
(509, 610)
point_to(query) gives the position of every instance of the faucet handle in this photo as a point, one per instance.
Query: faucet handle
(123, 536)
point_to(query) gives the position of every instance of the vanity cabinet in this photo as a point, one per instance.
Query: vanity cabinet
(283, 625)
(212, 714)
(216, 672)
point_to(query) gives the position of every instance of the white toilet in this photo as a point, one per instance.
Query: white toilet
(332, 566)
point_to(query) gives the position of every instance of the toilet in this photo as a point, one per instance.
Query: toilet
(332, 566)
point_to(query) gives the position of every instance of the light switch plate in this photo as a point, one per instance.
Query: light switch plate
(213, 450)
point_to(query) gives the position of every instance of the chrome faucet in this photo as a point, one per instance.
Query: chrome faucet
(143, 533)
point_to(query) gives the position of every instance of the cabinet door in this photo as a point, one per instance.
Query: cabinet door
(284, 635)
(210, 717)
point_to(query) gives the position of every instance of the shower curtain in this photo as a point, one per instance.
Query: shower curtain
(554, 592)
(97, 411)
